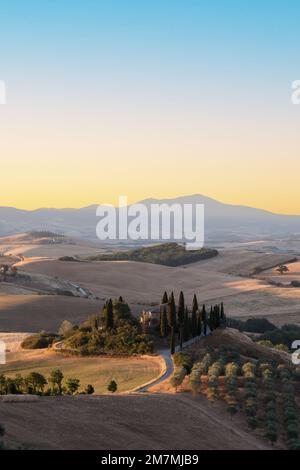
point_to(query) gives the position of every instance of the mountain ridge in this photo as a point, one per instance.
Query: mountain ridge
(222, 221)
(154, 200)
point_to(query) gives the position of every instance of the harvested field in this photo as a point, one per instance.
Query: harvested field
(227, 277)
(32, 313)
(97, 371)
(223, 278)
(125, 422)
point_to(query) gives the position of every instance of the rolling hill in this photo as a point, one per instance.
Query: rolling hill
(168, 254)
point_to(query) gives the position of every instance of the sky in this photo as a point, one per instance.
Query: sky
(149, 99)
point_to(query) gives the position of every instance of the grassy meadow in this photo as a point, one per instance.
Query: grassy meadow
(98, 371)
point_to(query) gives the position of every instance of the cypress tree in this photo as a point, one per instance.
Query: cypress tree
(195, 303)
(121, 299)
(172, 312)
(211, 319)
(165, 298)
(204, 320)
(180, 314)
(172, 341)
(103, 311)
(180, 317)
(163, 323)
(172, 320)
(109, 315)
(160, 320)
(194, 316)
(222, 314)
(186, 327)
(216, 316)
(199, 324)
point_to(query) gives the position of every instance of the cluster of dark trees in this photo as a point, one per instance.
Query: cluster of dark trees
(37, 384)
(168, 254)
(290, 410)
(177, 319)
(270, 403)
(40, 340)
(114, 331)
(251, 325)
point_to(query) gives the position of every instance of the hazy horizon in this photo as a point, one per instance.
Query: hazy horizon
(171, 198)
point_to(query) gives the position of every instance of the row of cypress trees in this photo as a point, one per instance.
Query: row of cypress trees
(178, 320)
(108, 311)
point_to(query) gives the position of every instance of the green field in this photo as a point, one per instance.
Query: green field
(98, 371)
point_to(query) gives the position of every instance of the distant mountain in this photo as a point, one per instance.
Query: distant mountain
(223, 222)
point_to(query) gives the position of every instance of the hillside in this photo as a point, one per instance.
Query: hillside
(167, 254)
(125, 422)
(224, 277)
(33, 313)
(45, 244)
(251, 381)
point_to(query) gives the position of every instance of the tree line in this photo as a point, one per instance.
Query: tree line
(37, 384)
(178, 320)
(113, 331)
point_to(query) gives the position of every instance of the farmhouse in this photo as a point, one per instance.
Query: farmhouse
(150, 317)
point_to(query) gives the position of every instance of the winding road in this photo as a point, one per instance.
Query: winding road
(169, 367)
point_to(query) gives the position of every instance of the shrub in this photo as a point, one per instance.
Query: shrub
(265, 342)
(89, 390)
(199, 368)
(178, 376)
(258, 325)
(270, 402)
(72, 385)
(231, 382)
(195, 378)
(281, 347)
(252, 325)
(182, 359)
(78, 339)
(284, 335)
(214, 373)
(124, 338)
(66, 328)
(39, 341)
(290, 411)
(112, 386)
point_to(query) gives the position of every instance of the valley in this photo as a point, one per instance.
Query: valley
(48, 283)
